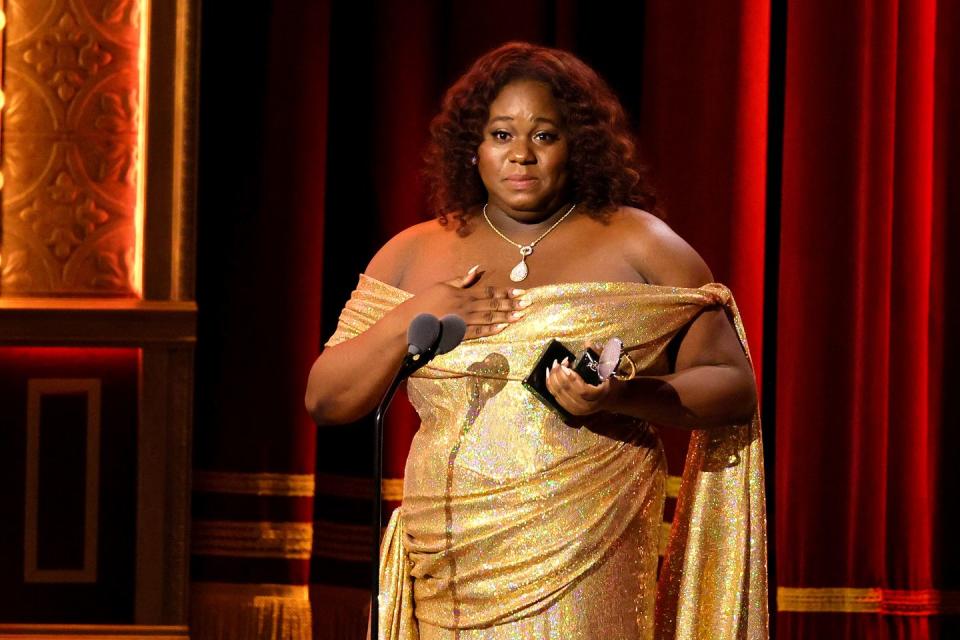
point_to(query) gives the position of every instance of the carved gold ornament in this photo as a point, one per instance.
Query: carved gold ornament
(71, 140)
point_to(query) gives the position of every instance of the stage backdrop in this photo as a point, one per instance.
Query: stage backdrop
(804, 150)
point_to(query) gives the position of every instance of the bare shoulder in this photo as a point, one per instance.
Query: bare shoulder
(658, 253)
(391, 261)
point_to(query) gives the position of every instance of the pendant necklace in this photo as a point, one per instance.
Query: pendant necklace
(520, 271)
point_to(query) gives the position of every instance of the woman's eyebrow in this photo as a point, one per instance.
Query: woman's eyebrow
(537, 119)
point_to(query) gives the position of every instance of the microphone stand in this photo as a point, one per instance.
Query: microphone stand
(411, 363)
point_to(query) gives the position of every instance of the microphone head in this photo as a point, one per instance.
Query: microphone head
(453, 330)
(423, 333)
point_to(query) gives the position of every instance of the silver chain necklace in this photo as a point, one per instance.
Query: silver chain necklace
(520, 271)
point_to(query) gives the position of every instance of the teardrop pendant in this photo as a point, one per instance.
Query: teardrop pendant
(520, 271)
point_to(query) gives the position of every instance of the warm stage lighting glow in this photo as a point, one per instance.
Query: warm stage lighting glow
(139, 213)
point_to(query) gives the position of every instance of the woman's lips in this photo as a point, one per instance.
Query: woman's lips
(521, 182)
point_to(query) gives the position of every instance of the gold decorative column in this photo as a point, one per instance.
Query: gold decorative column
(72, 147)
(96, 287)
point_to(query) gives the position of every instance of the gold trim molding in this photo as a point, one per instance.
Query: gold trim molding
(257, 484)
(901, 602)
(289, 540)
(114, 322)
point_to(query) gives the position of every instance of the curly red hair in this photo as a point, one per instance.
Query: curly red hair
(603, 164)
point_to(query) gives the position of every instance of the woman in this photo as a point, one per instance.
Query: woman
(515, 523)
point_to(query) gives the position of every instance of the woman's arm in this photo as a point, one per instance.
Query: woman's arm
(347, 380)
(712, 383)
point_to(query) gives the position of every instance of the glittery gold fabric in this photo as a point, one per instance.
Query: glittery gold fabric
(517, 525)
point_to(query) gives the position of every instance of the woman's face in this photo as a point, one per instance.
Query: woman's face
(523, 157)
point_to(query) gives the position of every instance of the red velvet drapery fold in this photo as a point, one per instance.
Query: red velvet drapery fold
(704, 128)
(860, 354)
(263, 148)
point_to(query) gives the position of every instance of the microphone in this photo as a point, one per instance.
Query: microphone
(426, 337)
(423, 333)
(423, 337)
(453, 328)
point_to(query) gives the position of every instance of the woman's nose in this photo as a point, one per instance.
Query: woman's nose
(523, 153)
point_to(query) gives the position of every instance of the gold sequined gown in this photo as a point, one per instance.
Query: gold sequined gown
(516, 525)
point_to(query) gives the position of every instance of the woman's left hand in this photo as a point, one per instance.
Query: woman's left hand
(573, 393)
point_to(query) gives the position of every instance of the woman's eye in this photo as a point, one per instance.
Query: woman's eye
(500, 135)
(546, 135)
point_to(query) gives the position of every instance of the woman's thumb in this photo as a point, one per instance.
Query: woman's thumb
(472, 276)
(464, 281)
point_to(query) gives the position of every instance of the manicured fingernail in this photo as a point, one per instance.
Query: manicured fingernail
(524, 302)
(473, 269)
(548, 373)
(518, 314)
(565, 361)
(554, 363)
(517, 292)
(502, 325)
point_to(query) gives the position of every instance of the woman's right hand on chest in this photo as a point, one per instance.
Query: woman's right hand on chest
(486, 309)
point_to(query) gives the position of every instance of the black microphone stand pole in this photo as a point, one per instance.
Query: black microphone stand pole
(430, 337)
(410, 364)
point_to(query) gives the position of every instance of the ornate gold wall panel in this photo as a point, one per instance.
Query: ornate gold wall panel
(96, 252)
(71, 152)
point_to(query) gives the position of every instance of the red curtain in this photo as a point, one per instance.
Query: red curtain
(709, 155)
(704, 128)
(262, 167)
(843, 263)
(868, 147)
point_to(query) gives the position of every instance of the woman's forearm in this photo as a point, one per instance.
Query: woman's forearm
(698, 397)
(347, 381)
